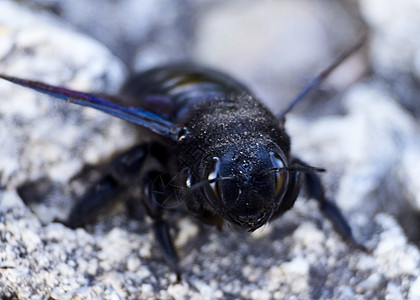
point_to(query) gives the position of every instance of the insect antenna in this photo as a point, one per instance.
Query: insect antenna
(321, 77)
(303, 169)
(208, 181)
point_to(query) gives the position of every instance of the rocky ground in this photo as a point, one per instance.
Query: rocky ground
(362, 125)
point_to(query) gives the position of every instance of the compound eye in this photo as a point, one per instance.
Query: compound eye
(280, 180)
(212, 177)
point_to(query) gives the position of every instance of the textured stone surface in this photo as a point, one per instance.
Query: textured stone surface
(368, 142)
(394, 51)
(38, 48)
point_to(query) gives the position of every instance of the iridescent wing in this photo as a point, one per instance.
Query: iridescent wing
(135, 115)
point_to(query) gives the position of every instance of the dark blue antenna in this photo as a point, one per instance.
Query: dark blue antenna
(321, 77)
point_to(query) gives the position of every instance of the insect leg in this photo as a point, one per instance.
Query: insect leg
(128, 168)
(100, 197)
(123, 170)
(135, 168)
(330, 210)
(156, 193)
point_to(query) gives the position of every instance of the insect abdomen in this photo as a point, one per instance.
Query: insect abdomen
(171, 91)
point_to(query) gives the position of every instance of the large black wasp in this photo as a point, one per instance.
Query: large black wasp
(214, 145)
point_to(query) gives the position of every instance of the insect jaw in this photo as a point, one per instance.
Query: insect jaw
(249, 210)
(252, 222)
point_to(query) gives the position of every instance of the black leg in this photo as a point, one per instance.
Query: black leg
(331, 210)
(101, 197)
(135, 169)
(164, 239)
(123, 170)
(156, 194)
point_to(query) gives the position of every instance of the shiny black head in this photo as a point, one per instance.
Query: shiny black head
(245, 182)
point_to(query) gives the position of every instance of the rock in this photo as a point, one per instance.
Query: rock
(393, 52)
(409, 172)
(369, 139)
(44, 137)
(370, 144)
(395, 47)
(41, 137)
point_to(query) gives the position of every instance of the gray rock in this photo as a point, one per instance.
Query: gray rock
(43, 138)
(409, 174)
(393, 52)
(395, 46)
(371, 144)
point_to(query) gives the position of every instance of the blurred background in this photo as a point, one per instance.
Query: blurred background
(275, 46)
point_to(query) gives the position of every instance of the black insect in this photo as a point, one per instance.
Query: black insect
(213, 146)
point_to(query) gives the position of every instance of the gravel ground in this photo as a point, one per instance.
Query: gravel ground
(362, 126)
